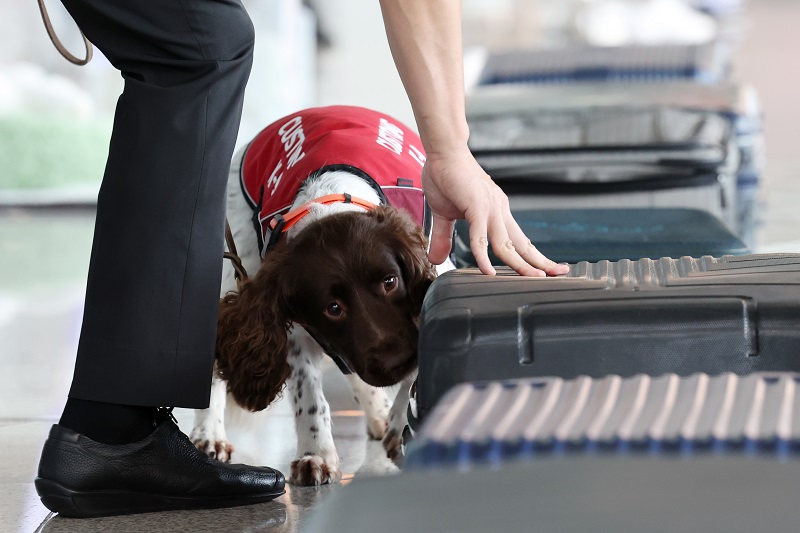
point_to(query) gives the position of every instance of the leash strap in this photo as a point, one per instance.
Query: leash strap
(239, 271)
(57, 43)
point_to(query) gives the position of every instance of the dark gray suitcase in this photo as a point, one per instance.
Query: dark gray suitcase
(735, 314)
(527, 419)
(601, 494)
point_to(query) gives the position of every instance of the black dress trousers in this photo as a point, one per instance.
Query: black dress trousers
(149, 323)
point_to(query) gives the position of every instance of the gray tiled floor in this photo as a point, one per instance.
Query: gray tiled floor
(43, 261)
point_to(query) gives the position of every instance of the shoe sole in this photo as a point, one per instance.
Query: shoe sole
(77, 504)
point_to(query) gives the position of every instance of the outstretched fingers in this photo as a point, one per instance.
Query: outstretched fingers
(509, 242)
(479, 244)
(528, 253)
(497, 227)
(456, 186)
(441, 239)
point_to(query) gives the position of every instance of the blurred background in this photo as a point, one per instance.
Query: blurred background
(55, 118)
(55, 122)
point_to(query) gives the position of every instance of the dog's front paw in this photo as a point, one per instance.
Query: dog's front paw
(393, 444)
(312, 470)
(216, 448)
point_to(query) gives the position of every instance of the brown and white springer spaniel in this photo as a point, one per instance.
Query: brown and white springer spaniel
(347, 279)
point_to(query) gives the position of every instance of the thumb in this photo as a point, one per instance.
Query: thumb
(441, 239)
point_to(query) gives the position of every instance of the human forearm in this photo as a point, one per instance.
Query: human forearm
(425, 40)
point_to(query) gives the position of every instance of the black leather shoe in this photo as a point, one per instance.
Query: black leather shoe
(79, 477)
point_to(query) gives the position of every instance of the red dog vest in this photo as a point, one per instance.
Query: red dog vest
(370, 144)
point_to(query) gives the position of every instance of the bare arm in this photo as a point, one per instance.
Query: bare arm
(425, 40)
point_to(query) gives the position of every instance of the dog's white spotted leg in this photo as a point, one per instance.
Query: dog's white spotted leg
(375, 404)
(209, 424)
(316, 462)
(398, 419)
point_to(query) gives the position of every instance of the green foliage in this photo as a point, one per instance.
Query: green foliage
(37, 151)
(41, 251)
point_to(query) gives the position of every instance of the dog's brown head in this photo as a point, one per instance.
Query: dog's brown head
(355, 281)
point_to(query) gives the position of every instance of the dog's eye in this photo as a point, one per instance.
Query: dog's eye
(389, 282)
(334, 310)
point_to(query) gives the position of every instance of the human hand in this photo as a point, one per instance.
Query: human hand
(457, 187)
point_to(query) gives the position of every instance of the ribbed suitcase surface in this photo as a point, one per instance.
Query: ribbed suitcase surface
(611, 64)
(517, 419)
(713, 315)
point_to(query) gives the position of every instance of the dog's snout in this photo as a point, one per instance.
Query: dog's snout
(387, 346)
(392, 353)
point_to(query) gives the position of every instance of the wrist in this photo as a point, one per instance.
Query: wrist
(442, 136)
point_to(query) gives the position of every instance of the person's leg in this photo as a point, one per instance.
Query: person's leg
(153, 287)
(149, 321)
(151, 305)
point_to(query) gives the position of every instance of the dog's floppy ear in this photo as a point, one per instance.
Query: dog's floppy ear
(410, 245)
(252, 348)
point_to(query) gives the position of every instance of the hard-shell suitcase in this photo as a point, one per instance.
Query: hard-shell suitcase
(612, 146)
(592, 494)
(573, 235)
(497, 422)
(705, 63)
(733, 314)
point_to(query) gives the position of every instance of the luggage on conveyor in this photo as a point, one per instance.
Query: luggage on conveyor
(613, 145)
(707, 63)
(573, 235)
(501, 421)
(732, 314)
(592, 494)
